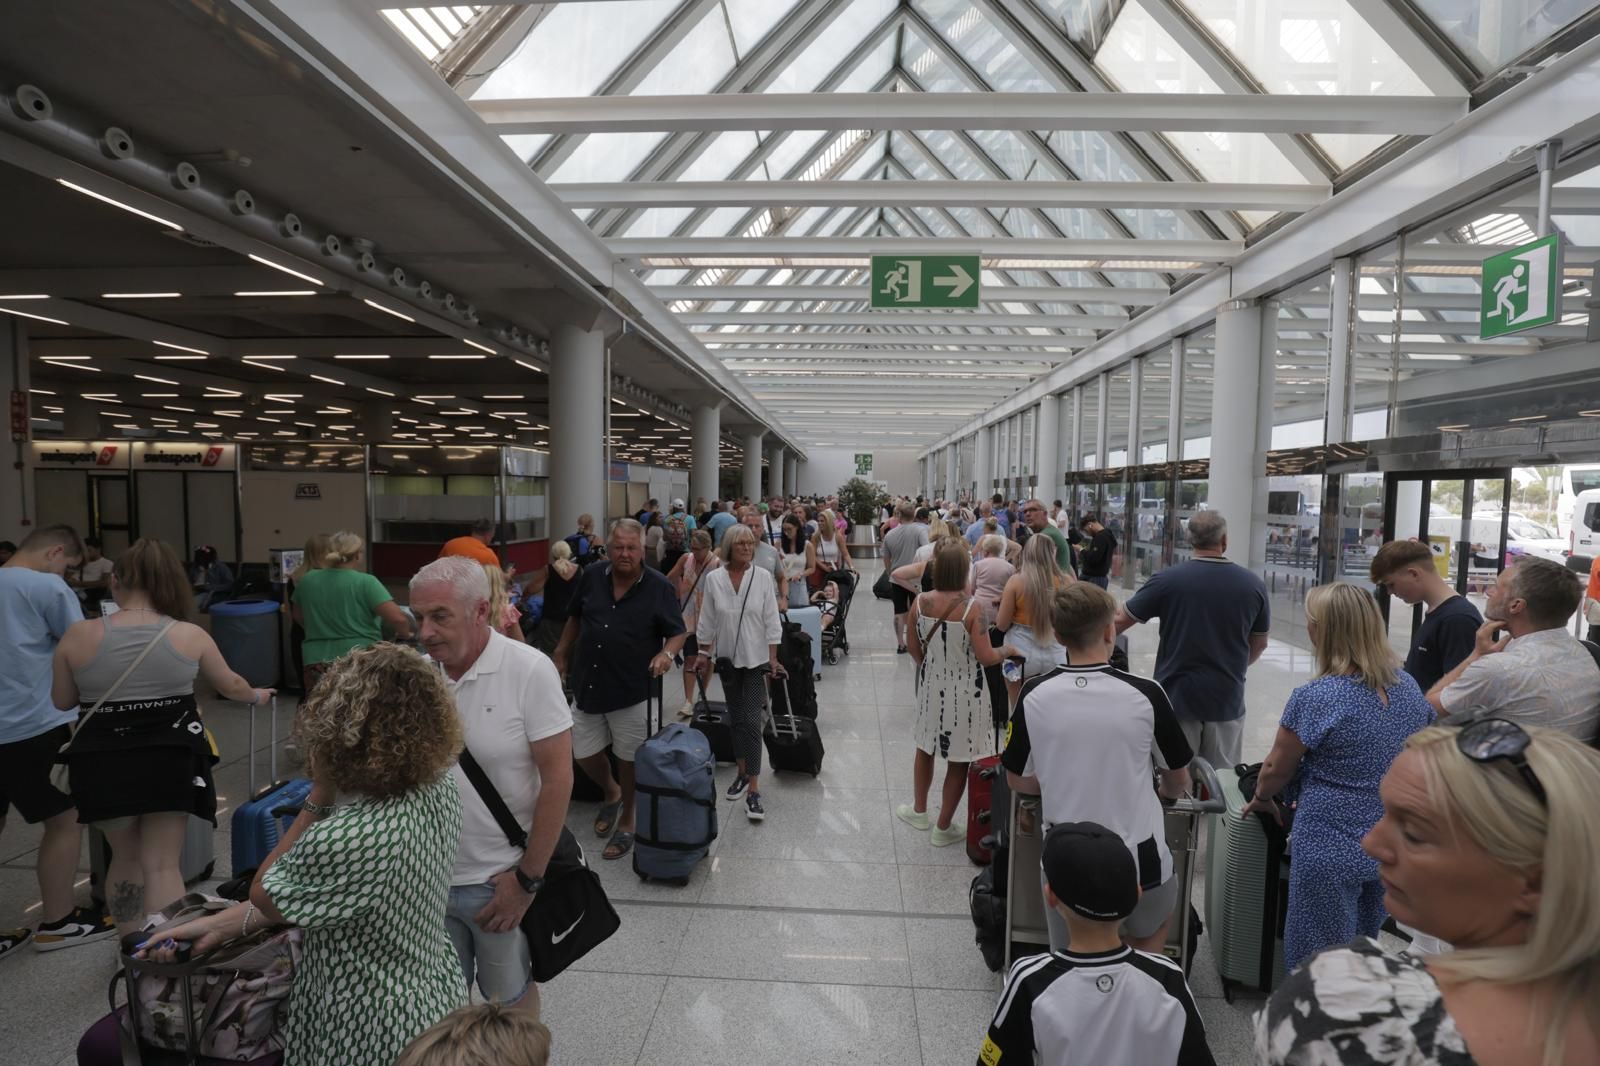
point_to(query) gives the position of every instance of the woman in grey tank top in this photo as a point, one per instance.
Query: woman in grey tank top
(141, 765)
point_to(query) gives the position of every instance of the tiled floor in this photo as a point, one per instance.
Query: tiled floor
(831, 932)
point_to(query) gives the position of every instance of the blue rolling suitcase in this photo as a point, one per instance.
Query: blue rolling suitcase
(261, 822)
(675, 801)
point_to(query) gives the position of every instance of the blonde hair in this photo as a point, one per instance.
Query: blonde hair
(731, 536)
(991, 544)
(313, 557)
(1350, 640)
(499, 596)
(560, 550)
(343, 546)
(1041, 576)
(938, 530)
(483, 1034)
(829, 521)
(1497, 811)
(380, 722)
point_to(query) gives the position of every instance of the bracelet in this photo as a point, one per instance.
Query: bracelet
(317, 810)
(244, 929)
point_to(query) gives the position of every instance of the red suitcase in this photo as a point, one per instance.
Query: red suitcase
(980, 798)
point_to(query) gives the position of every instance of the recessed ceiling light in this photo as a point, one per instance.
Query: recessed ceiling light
(376, 306)
(180, 358)
(277, 292)
(118, 203)
(286, 270)
(182, 347)
(518, 396)
(175, 407)
(480, 347)
(1528, 418)
(37, 318)
(140, 295)
(458, 357)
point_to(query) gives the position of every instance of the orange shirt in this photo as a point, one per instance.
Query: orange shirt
(472, 548)
(1593, 591)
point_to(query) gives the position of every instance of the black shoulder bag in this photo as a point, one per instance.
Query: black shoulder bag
(571, 915)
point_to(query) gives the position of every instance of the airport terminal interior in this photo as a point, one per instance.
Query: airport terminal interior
(278, 268)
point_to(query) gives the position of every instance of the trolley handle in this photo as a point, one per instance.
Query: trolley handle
(1207, 776)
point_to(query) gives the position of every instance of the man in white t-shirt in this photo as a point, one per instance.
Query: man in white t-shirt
(93, 578)
(517, 725)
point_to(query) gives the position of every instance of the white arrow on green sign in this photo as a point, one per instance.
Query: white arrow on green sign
(1521, 288)
(930, 281)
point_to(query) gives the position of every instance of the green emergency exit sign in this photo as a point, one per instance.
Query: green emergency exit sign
(1521, 288)
(932, 281)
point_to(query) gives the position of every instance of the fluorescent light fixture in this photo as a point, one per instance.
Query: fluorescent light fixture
(504, 396)
(158, 381)
(75, 366)
(140, 295)
(117, 414)
(39, 296)
(41, 392)
(124, 425)
(419, 399)
(380, 392)
(274, 421)
(361, 357)
(277, 292)
(1529, 418)
(159, 395)
(175, 407)
(330, 381)
(286, 270)
(529, 366)
(480, 347)
(263, 366)
(164, 421)
(182, 348)
(214, 393)
(272, 357)
(118, 203)
(376, 306)
(1451, 429)
(37, 318)
(180, 358)
(434, 396)
(457, 357)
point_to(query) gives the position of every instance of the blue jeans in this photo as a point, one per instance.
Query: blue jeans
(1101, 581)
(500, 961)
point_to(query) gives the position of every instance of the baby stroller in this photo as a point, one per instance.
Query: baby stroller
(834, 638)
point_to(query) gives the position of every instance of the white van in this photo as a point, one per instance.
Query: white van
(1575, 480)
(1584, 518)
(1523, 535)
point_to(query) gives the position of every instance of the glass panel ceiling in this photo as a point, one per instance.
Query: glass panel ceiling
(1281, 47)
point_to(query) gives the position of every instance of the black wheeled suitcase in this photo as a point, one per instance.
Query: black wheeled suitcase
(798, 694)
(711, 718)
(793, 742)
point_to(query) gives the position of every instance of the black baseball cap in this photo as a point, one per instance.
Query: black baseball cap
(1091, 870)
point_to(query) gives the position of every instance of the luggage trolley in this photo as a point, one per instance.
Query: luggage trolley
(1026, 932)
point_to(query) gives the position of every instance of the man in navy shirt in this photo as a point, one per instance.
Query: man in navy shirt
(1214, 621)
(1447, 633)
(625, 625)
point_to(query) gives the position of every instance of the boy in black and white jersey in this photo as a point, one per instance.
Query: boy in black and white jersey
(1102, 1003)
(1085, 739)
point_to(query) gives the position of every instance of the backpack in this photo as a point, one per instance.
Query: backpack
(585, 549)
(676, 535)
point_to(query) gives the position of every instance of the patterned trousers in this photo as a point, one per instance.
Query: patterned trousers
(746, 692)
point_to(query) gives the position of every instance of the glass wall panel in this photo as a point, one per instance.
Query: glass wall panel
(1091, 425)
(1154, 403)
(1147, 526)
(1117, 411)
(1491, 33)
(1300, 368)
(1372, 357)
(1199, 376)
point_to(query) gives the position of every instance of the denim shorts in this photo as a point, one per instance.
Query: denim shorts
(498, 961)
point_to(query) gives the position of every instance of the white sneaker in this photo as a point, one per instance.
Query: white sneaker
(686, 712)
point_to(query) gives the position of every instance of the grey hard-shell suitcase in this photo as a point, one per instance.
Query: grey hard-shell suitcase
(675, 801)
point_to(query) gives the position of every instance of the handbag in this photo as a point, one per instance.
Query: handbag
(226, 1004)
(571, 915)
(60, 775)
(881, 587)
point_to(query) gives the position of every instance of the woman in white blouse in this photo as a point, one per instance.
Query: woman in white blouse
(739, 630)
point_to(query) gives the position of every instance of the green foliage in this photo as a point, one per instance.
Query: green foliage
(859, 501)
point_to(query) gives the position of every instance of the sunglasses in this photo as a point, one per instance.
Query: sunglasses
(1501, 740)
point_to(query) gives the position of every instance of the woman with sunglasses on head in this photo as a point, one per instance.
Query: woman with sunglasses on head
(1490, 841)
(1338, 735)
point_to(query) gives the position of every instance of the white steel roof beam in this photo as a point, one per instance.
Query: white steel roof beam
(788, 342)
(1153, 112)
(949, 319)
(990, 294)
(1177, 195)
(1131, 248)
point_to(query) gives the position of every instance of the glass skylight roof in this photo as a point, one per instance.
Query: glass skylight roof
(953, 184)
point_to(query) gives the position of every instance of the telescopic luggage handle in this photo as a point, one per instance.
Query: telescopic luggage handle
(1213, 803)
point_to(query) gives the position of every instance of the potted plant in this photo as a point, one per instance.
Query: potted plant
(859, 501)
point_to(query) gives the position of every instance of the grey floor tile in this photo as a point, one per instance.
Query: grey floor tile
(1230, 1029)
(943, 955)
(936, 889)
(851, 886)
(736, 1023)
(852, 764)
(833, 824)
(599, 1017)
(952, 1025)
(794, 946)
(647, 942)
(846, 721)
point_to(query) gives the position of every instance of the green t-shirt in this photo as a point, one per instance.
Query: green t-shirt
(1063, 550)
(336, 609)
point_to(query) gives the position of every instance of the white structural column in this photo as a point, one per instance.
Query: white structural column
(1047, 438)
(1102, 420)
(1175, 407)
(16, 481)
(951, 489)
(752, 463)
(1341, 314)
(791, 473)
(1233, 421)
(1266, 377)
(705, 453)
(1135, 409)
(776, 486)
(577, 423)
(983, 464)
(1075, 445)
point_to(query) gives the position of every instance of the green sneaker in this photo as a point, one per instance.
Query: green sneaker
(943, 837)
(914, 818)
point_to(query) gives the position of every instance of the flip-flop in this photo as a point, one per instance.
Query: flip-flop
(620, 845)
(607, 817)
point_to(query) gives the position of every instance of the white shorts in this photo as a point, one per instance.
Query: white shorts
(624, 730)
(1038, 658)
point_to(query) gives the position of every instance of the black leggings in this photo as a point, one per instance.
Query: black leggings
(746, 692)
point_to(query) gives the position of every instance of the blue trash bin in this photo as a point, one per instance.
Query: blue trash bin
(246, 632)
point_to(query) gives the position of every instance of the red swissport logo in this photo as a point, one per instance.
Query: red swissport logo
(213, 454)
(107, 455)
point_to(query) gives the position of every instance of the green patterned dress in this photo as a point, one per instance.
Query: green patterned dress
(369, 886)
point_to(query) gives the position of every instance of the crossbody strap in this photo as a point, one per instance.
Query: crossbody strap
(115, 685)
(749, 576)
(494, 801)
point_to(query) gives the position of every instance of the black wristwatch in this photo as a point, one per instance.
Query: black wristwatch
(530, 885)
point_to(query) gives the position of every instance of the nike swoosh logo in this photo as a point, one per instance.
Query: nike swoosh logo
(556, 938)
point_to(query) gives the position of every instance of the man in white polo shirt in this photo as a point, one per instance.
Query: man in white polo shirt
(1084, 738)
(517, 725)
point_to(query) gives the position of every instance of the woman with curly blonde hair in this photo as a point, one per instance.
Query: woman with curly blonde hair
(365, 869)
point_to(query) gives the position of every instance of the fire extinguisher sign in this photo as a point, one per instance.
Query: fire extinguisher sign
(19, 415)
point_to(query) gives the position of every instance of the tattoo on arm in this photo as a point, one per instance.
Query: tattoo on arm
(127, 901)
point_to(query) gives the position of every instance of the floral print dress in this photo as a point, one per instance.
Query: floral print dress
(1359, 1006)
